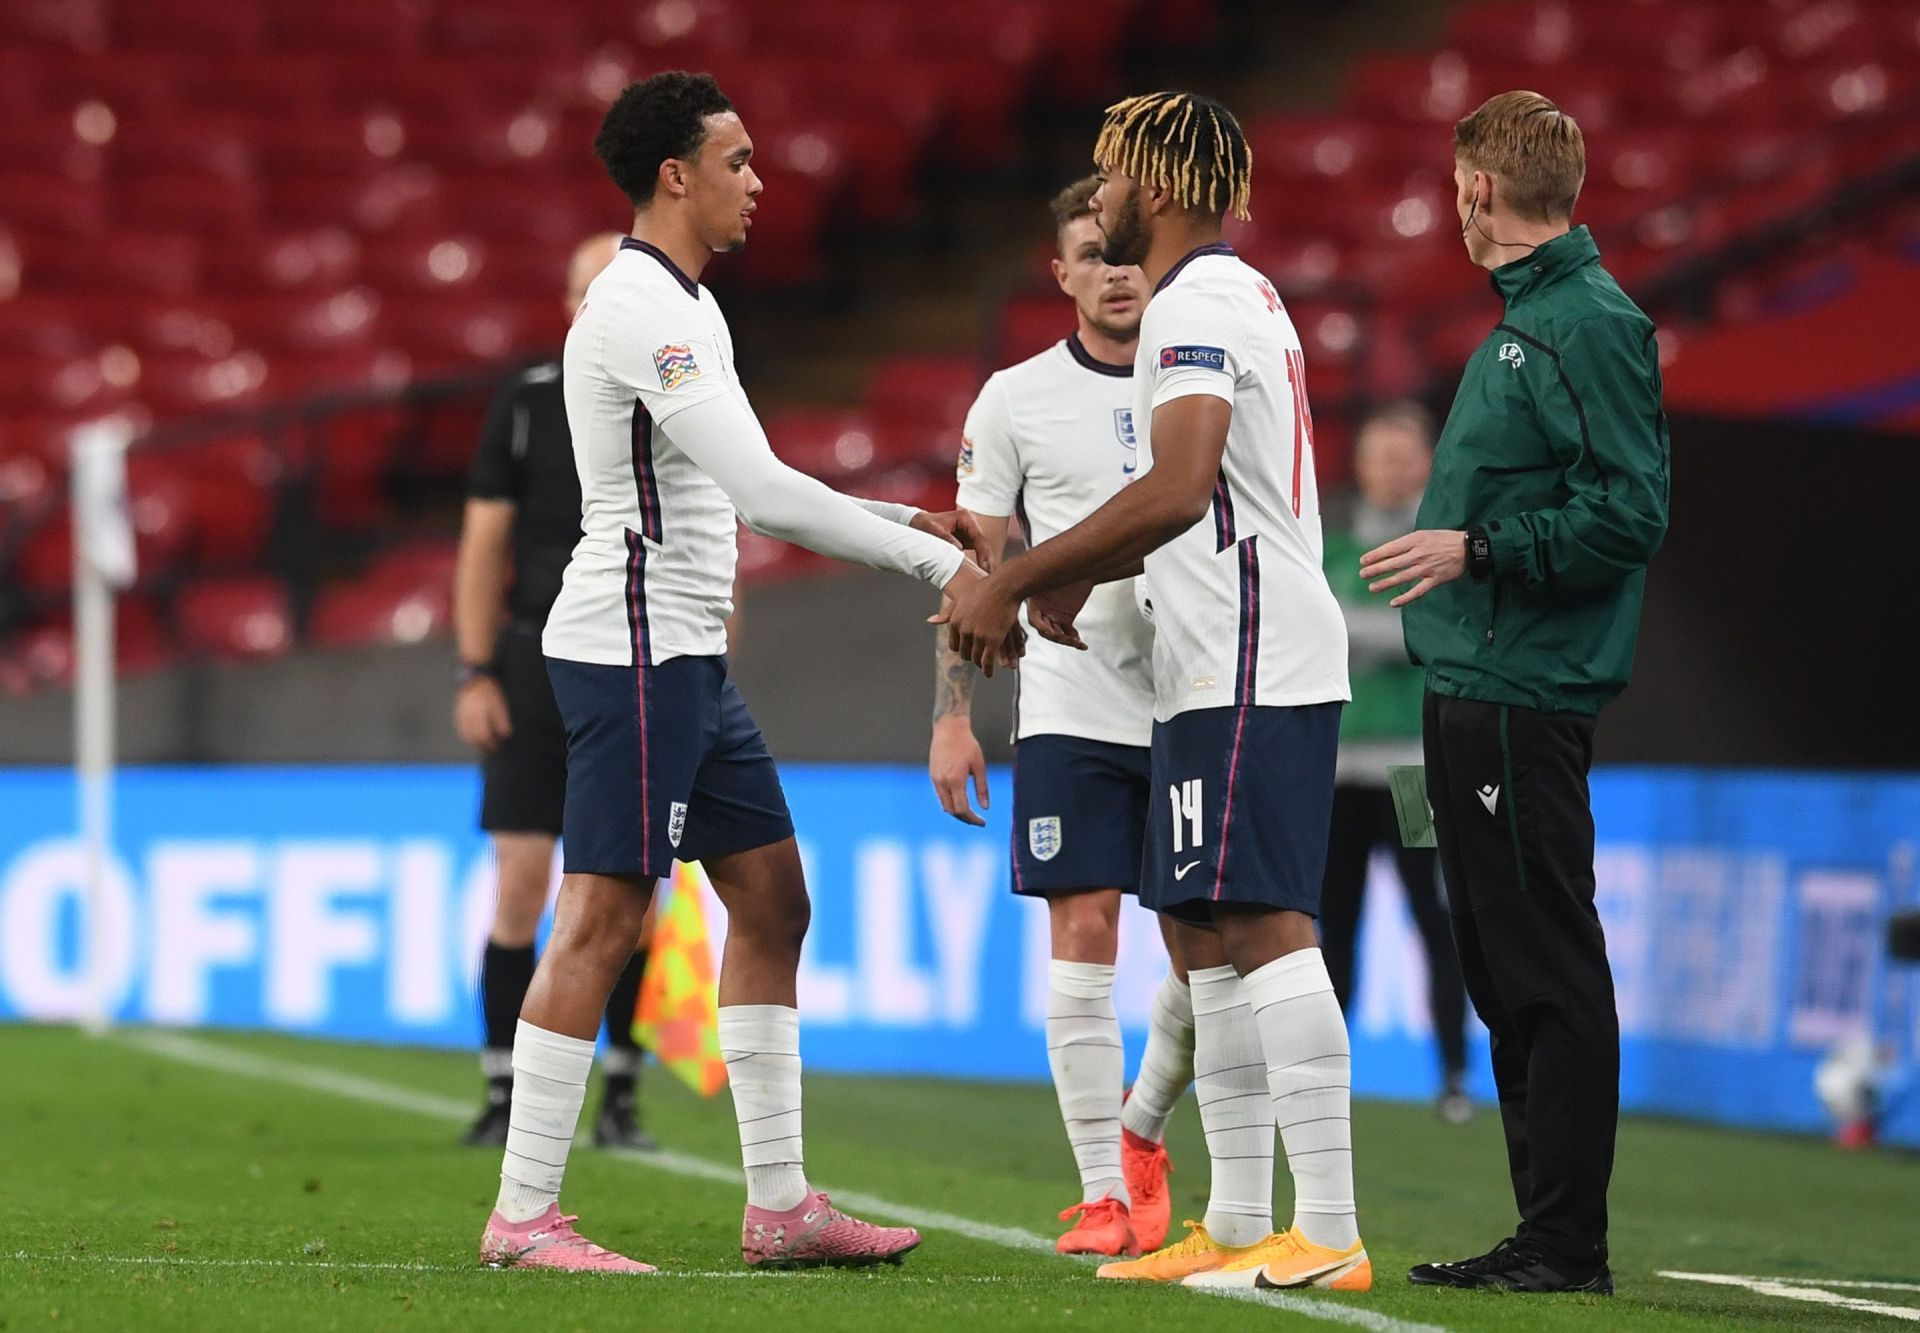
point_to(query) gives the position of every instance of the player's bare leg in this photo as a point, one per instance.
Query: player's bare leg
(788, 1223)
(1166, 1071)
(1303, 1041)
(597, 920)
(1089, 1066)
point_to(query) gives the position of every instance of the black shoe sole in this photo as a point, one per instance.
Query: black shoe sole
(837, 1261)
(1439, 1275)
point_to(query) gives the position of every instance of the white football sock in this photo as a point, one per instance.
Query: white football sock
(1309, 1071)
(549, 1085)
(1166, 1067)
(1089, 1069)
(1230, 1080)
(761, 1045)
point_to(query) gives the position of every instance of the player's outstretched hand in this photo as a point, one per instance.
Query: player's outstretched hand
(1425, 559)
(960, 527)
(983, 622)
(954, 758)
(480, 714)
(1052, 613)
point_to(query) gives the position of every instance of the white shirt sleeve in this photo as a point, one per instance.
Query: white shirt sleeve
(672, 363)
(989, 470)
(721, 436)
(1194, 346)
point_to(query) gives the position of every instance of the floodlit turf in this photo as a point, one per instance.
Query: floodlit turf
(139, 1189)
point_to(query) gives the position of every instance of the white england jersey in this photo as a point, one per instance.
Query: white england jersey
(1242, 612)
(1052, 439)
(652, 575)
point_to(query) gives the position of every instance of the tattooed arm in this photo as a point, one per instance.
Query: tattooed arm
(955, 755)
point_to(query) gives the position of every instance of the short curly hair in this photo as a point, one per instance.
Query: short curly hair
(655, 119)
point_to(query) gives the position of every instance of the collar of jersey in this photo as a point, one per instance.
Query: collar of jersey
(1210, 248)
(635, 243)
(1546, 265)
(1078, 351)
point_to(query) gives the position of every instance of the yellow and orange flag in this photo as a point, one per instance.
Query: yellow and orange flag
(678, 1018)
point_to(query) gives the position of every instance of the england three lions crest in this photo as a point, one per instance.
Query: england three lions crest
(1043, 837)
(1123, 429)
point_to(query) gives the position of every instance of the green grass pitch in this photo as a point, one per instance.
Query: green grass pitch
(173, 1181)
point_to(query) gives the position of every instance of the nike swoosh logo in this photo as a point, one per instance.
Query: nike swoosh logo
(1490, 797)
(1180, 872)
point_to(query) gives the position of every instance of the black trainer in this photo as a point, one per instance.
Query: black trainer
(490, 1130)
(618, 1126)
(1511, 1266)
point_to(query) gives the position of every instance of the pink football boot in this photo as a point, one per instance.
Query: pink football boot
(549, 1241)
(813, 1233)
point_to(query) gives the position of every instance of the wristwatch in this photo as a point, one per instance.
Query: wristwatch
(1479, 555)
(467, 672)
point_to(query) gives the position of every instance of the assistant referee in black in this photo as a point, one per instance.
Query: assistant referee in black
(1549, 493)
(521, 523)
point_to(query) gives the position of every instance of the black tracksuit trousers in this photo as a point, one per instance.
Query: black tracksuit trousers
(1514, 822)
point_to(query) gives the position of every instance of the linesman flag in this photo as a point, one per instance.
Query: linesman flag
(679, 1014)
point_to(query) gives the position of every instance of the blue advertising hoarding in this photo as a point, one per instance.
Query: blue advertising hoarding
(1745, 915)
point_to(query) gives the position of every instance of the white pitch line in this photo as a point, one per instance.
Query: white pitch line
(186, 1049)
(1792, 1289)
(345, 1265)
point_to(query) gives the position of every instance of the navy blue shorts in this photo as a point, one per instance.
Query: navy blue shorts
(664, 764)
(1243, 798)
(1079, 814)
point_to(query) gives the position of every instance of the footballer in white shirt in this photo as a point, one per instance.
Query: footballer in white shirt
(1250, 658)
(1048, 441)
(664, 762)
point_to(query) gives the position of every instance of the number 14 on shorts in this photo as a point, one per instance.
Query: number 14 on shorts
(1185, 798)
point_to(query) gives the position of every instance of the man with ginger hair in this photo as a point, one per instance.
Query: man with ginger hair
(1549, 492)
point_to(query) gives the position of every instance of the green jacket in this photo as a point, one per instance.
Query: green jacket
(1386, 693)
(1556, 445)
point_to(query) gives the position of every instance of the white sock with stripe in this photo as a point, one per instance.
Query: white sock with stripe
(1309, 1073)
(1229, 1078)
(1166, 1067)
(549, 1086)
(761, 1045)
(1089, 1071)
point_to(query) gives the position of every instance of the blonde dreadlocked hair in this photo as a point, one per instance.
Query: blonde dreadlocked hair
(1189, 143)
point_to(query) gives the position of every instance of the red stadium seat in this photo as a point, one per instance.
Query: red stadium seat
(327, 144)
(519, 138)
(44, 326)
(345, 26)
(52, 201)
(235, 619)
(141, 643)
(343, 319)
(266, 86)
(404, 598)
(825, 444)
(432, 262)
(56, 384)
(505, 25)
(47, 142)
(931, 391)
(438, 331)
(202, 201)
(187, 382)
(313, 259)
(232, 28)
(164, 262)
(1031, 324)
(79, 24)
(130, 84)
